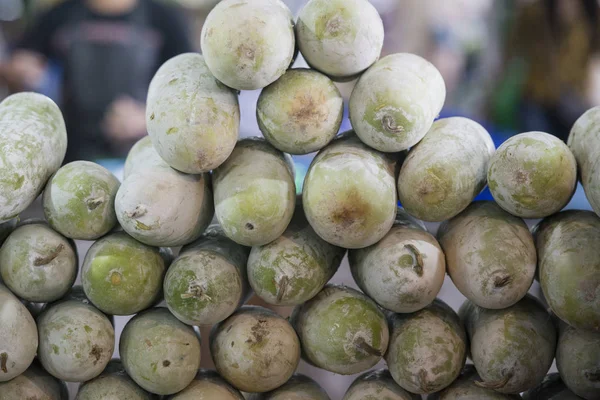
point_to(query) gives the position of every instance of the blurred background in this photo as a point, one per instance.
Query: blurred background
(511, 65)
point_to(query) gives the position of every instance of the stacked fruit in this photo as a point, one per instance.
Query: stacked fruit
(286, 249)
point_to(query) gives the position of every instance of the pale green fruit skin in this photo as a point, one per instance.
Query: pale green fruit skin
(294, 267)
(552, 388)
(79, 200)
(394, 103)
(255, 350)
(299, 387)
(160, 206)
(38, 264)
(255, 193)
(428, 348)
(112, 384)
(377, 385)
(208, 281)
(160, 353)
(122, 276)
(142, 156)
(512, 349)
(248, 45)
(33, 143)
(6, 228)
(490, 255)
(389, 271)
(19, 336)
(35, 383)
(301, 112)
(532, 175)
(208, 385)
(340, 38)
(193, 120)
(76, 341)
(349, 193)
(444, 172)
(464, 388)
(341, 330)
(569, 266)
(578, 361)
(583, 142)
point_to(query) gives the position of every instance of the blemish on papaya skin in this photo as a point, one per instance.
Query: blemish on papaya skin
(141, 226)
(353, 210)
(96, 353)
(3, 360)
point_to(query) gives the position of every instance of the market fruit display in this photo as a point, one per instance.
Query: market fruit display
(255, 349)
(298, 387)
(577, 360)
(76, 341)
(583, 142)
(377, 385)
(301, 112)
(79, 200)
(490, 255)
(37, 263)
(427, 348)
(33, 144)
(568, 270)
(447, 169)
(349, 194)
(159, 352)
(394, 103)
(294, 267)
(208, 281)
(208, 385)
(341, 330)
(512, 348)
(19, 336)
(156, 219)
(467, 387)
(532, 175)
(255, 193)
(248, 45)
(113, 383)
(35, 383)
(193, 119)
(122, 276)
(404, 271)
(210, 248)
(340, 38)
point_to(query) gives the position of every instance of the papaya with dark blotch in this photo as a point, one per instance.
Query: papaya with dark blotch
(349, 193)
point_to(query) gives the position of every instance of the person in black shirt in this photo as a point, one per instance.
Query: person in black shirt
(109, 51)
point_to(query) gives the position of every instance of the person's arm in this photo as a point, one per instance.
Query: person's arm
(25, 68)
